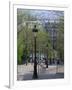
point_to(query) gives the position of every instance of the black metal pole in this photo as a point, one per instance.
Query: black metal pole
(35, 76)
(47, 59)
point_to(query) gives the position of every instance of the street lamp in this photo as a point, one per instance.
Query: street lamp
(35, 76)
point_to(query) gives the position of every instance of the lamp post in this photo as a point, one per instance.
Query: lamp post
(47, 57)
(35, 76)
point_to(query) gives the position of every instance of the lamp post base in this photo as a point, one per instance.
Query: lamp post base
(35, 76)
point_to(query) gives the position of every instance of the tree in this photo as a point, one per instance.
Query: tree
(60, 39)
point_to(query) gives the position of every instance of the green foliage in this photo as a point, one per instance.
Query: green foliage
(20, 53)
(60, 40)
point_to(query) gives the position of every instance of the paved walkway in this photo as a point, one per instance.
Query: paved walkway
(52, 72)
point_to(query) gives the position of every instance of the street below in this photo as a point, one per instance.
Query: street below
(25, 72)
